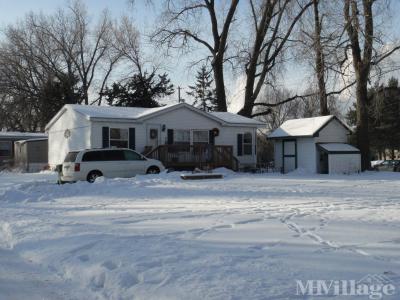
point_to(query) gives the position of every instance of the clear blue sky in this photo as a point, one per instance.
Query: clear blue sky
(12, 10)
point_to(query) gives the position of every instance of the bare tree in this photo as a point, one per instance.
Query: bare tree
(87, 50)
(322, 34)
(28, 64)
(274, 22)
(179, 29)
(279, 113)
(319, 60)
(49, 60)
(359, 24)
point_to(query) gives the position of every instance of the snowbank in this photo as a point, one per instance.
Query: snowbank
(248, 236)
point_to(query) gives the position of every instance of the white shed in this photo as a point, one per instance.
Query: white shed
(316, 145)
(181, 131)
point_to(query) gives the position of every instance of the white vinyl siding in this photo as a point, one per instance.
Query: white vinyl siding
(306, 154)
(334, 132)
(80, 133)
(344, 163)
(97, 133)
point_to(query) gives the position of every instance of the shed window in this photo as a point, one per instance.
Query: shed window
(200, 136)
(247, 143)
(182, 136)
(119, 137)
(5, 149)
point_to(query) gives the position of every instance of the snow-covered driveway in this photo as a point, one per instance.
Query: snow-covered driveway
(157, 237)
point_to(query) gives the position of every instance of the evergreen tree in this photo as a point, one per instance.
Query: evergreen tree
(54, 94)
(142, 90)
(202, 92)
(384, 117)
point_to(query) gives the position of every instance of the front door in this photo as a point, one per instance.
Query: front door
(153, 136)
(289, 155)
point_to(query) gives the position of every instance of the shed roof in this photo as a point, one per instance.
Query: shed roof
(141, 113)
(32, 140)
(338, 148)
(306, 127)
(22, 135)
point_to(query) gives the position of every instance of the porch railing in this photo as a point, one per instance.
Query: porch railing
(183, 156)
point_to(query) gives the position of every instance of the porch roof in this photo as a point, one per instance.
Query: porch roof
(338, 148)
(21, 135)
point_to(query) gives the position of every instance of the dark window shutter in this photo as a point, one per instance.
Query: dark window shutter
(211, 137)
(132, 139)
(106, 137)
(170, 136)
(239, 144)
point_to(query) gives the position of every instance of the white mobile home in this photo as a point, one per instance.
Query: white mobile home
(316, 145)
(168, 133)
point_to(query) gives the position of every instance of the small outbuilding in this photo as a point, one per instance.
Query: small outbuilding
(31, 155)
(7, 140)
(315, 145)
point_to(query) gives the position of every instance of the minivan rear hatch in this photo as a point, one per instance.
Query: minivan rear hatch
(69, 163)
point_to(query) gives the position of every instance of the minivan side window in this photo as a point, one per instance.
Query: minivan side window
(131, 155)
(93, 156)
(112, 155)
(71, 156)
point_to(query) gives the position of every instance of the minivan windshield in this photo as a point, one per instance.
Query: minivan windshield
(71, 157)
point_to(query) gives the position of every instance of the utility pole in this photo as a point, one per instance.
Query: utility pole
(179, 94)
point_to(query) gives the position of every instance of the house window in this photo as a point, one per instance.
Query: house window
(119, 137)
(5, 149)
(182, 136)
(247, 143)
(200, 136)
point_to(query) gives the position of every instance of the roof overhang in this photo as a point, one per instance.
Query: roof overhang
(337, 148)
(152, 115)
(289, 137)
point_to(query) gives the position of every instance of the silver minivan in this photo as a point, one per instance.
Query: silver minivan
(111, 163)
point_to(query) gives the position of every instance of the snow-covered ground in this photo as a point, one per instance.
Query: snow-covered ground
(157, 237)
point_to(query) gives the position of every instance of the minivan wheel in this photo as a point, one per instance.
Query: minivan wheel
(153, 170)
(93, 175)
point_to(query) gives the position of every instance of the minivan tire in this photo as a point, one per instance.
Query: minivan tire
(93, 175)
(153, 170)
